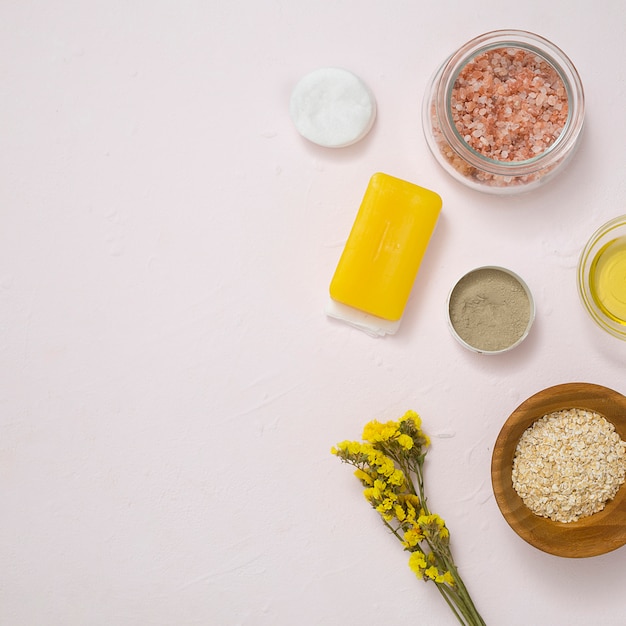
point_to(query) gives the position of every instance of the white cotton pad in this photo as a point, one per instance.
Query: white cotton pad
(332, 107)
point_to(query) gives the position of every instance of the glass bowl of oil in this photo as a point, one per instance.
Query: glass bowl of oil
(602, 277)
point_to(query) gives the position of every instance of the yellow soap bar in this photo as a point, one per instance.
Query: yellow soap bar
(382, 255)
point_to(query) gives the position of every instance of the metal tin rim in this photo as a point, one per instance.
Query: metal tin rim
(531, 302)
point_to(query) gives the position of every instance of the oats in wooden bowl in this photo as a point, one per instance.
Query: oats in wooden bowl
(558, 467)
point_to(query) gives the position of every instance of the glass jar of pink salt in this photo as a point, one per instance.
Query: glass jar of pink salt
(505, 112)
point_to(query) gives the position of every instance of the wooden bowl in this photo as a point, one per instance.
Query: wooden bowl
(589, 536)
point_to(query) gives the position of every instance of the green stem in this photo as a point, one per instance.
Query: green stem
(416, 468)
(444, 591)
(392, 529)
(458, 600)
(462, 592)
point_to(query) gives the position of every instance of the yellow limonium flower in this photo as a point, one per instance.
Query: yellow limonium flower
(410, 423)
(396, 478)
(390, 465)
(412, 537)
(370, 494)
(382, 463)
(377, 432)
(412, 416)
(417, 563)
(439, 577)
(405, 441)
(433, 526)
(354, 451)
(350, 447)
(411, 505)
(386, 505)
(364, 477)
(399, 511)
(433, 573)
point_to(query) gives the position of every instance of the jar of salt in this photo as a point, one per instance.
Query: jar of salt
(505, 112)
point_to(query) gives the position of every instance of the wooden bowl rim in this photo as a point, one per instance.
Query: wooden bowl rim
(590, 536)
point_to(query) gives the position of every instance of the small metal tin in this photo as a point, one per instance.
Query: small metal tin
(490, 316)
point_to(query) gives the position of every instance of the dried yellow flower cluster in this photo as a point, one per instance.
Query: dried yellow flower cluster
(389, 463)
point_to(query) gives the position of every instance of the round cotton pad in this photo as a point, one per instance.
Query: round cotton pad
(332, 107)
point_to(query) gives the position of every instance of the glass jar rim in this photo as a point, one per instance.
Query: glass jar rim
(584, 264)
(543, 48)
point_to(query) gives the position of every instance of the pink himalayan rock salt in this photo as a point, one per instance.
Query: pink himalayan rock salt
(509, 104)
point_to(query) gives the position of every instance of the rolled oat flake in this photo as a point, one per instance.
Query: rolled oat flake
(569, 464)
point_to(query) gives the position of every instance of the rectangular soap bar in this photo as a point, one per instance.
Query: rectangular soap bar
(382, 255)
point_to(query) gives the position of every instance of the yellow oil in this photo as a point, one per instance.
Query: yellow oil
(607, 280)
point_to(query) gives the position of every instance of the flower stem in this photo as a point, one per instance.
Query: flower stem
(462, 593)
(444, 591)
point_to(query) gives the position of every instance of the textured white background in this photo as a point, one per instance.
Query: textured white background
(169, 385)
